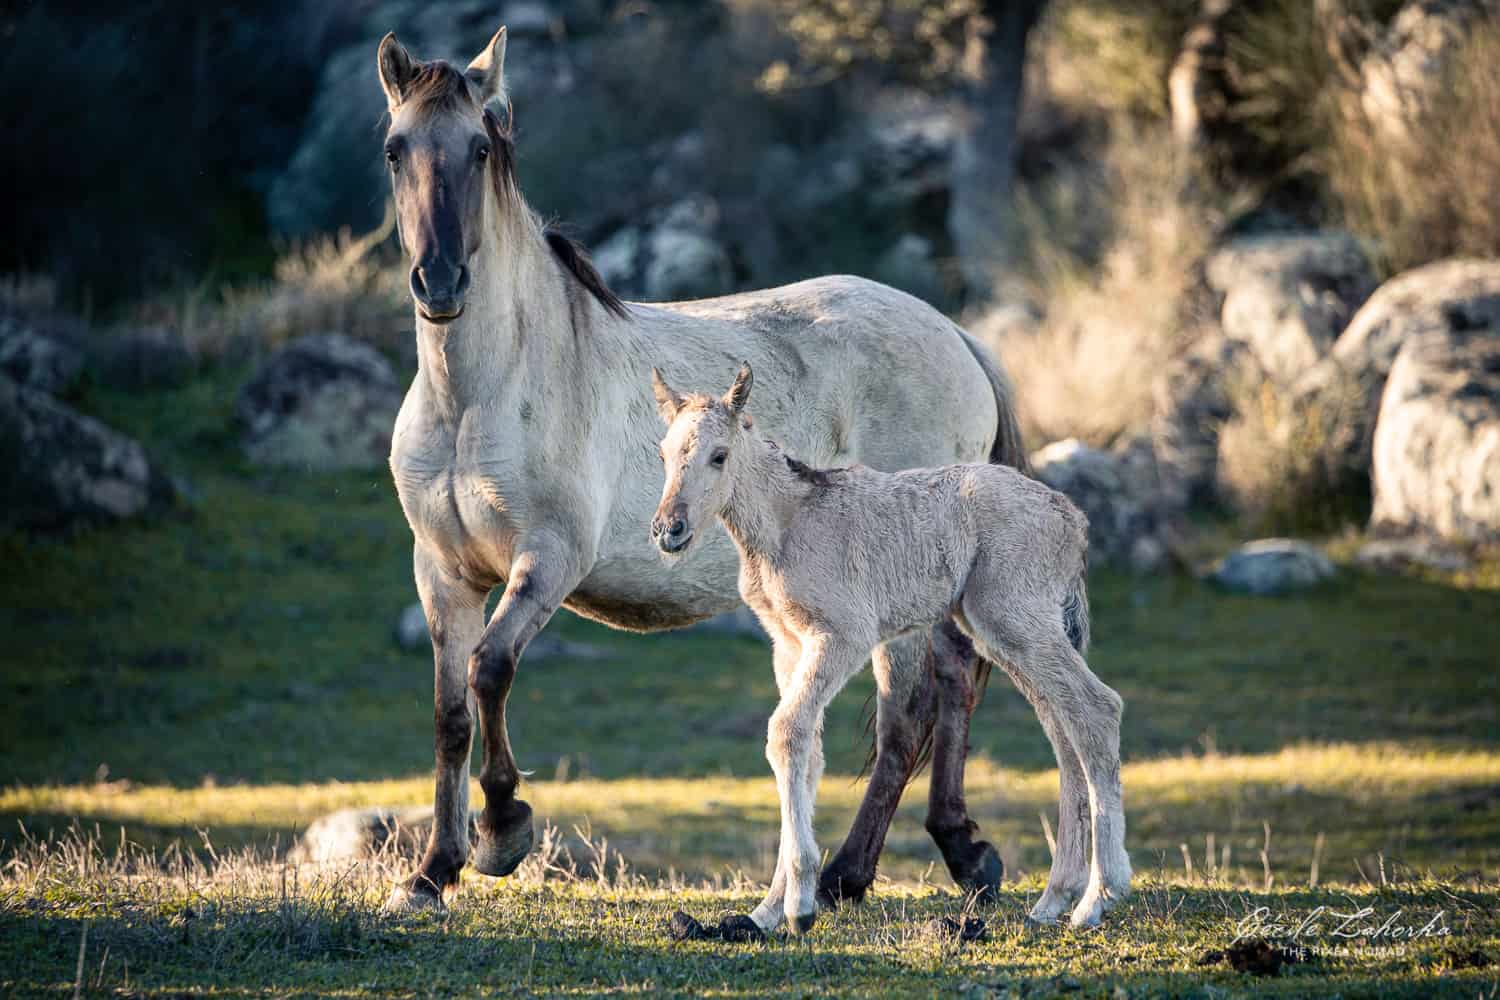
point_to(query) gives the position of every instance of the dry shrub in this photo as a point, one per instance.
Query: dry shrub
(1283, 458)
(1111, 56)
(1111, 319)
(1431, 194)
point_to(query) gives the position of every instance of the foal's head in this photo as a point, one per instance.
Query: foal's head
(702, 453)
(444, 146)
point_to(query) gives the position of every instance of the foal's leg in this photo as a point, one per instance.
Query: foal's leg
(786, 652)
(543, 573)
(455, 618)
(1070, 861)
(827, 664)
(974, 865)
(903, 715)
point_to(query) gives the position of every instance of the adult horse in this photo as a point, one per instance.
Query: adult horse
(525, 456)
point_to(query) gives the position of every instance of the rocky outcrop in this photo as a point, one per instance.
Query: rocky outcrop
(322, 402)
(1437, 442)
(33, 357)
(60, 468)
(1405, 73)
(1190, 404)
(1288, 296)
(1126, 523)
(1272, 566)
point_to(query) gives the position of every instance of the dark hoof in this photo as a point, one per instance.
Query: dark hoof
(802, 923)
(740, 928)
(836, 887)
(682, 927)
(417, 894)
(983, 874)
(504, 843)
(970, 929)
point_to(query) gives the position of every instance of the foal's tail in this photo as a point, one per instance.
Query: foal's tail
(1076, 610)
(1009, 448)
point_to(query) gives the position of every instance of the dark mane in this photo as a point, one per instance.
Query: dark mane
(806, 473)
(575, 260)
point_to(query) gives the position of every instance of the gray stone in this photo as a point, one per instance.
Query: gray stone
(619, 258)
(1404, 74)
(1126, 525)
(1396, 555)
(527, 19)
(1437, 442)
(60, 468)
(1272, 566)
(322, 402)
(685, 264)
(1190, 404)
(411, 628)
(356, 834)
(1288, 296)
(36, 360)
(911, 266)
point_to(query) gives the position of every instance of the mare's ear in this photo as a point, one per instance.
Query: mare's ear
(487, 72)
(396, 70)
(739, 393)
(667, 400)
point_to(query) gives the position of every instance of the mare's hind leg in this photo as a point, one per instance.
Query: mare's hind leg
(974, 864)
(903, 715)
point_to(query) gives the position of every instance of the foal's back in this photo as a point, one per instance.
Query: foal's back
(896, 551)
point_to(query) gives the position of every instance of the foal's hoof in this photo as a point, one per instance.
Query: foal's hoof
(801, 923)
(983, 873)
(504, 844)
(837, 886)
(740, 928)
(416, 895)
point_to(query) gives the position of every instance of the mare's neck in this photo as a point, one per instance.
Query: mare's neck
(516, 294)
(764, 499)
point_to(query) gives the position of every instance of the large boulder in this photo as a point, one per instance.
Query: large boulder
(1190, 404)
(356, 834)
(1437, 443)
(35, 358)
(677, 255)
(1126, 524)
(60, 468)
(1405, 73)
(1272, 566)
(1288, 295)
(1431, 300)
(322, 402)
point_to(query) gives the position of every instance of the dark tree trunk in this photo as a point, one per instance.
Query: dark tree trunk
(981, 213)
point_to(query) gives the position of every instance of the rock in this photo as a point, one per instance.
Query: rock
(36, 360)
(1450, 294)
(523, 19)
(1191, 403)
(411, 628)
(1397, 555)
(1272, 566)
(1288, 296)
(619, 260)
(1405, 73)
(322, 402)
(686, 265)
(911, 266)
(61, 468)
(147, 358)
(354, 834)
(1437, 441)
(1126, 527)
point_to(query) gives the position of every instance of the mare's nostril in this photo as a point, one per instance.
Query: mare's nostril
(418, 285)
(463, 282)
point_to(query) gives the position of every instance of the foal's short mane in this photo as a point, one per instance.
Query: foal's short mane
(438, 86)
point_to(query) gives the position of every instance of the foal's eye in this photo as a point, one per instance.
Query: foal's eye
(717, 461)
(483, 153)
(391, 157)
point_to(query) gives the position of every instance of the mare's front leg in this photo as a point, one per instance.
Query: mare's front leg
(455, 619)
(545, 570)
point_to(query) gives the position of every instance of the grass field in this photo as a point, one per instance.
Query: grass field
(202, 687)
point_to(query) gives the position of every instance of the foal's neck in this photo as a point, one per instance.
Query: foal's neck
(763, 500)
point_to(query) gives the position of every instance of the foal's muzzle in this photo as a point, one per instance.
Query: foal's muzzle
(671, 533)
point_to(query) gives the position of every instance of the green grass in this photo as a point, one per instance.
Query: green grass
(231, 670)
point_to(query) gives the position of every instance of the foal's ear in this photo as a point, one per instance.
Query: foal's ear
(396, 70)
(667, 400)
(739, 393)
(487, 71)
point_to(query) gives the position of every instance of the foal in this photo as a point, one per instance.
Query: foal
(835, 561)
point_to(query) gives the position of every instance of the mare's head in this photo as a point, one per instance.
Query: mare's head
(702, 453)
(445, 147)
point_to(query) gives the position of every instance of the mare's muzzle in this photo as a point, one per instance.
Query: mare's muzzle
(439, 288)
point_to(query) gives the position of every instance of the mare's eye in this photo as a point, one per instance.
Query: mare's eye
(391, 157)
(483, 153)
(717, 461)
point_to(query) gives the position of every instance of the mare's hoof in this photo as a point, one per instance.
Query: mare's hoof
(801, 923)
(416, 895)
(683, 927)
(836, 887)
(963, 931)
(983, 874)
(740, 928)
(504, 844)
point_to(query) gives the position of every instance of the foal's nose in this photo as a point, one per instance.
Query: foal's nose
(670, 531)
